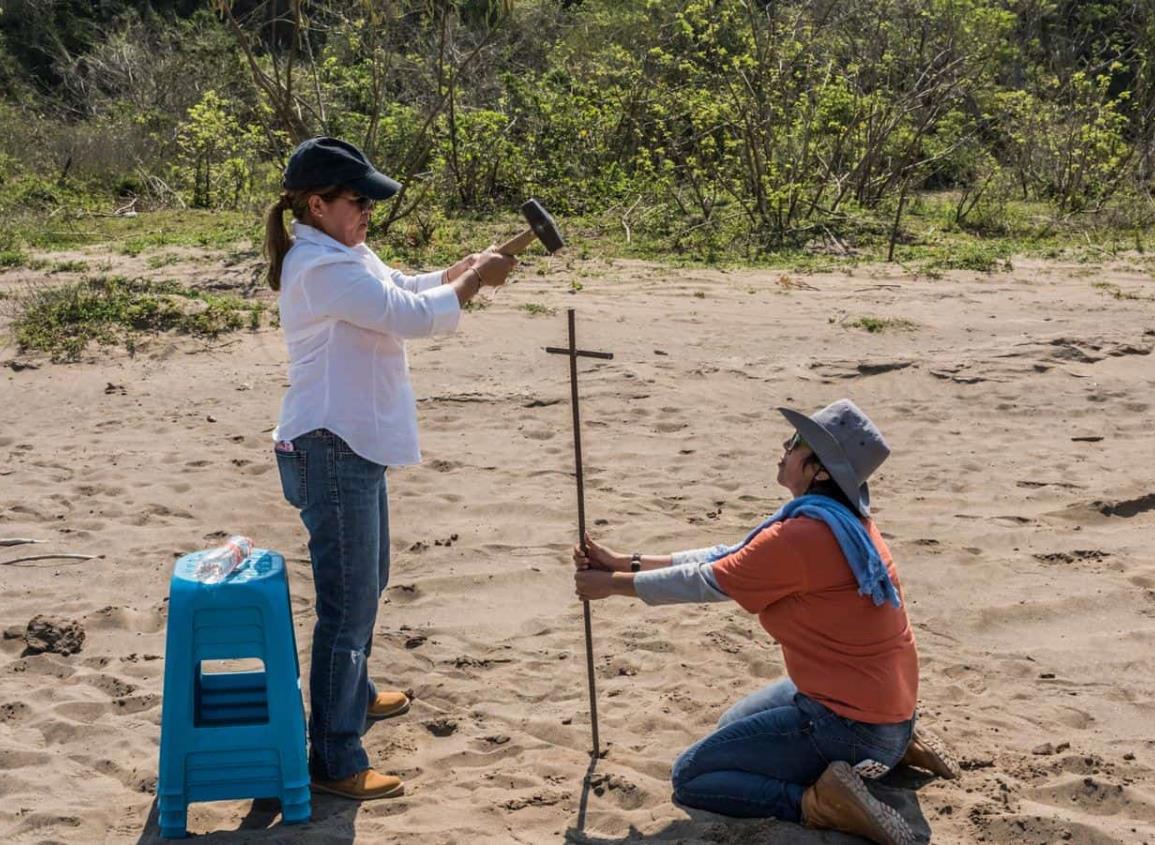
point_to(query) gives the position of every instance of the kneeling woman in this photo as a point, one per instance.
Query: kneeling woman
(823, 584)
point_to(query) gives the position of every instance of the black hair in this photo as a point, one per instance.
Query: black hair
(828, 487)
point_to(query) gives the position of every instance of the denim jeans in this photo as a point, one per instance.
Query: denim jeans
(772, 745)
(343, 502)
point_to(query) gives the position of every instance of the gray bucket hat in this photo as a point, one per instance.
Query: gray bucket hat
(847, 443)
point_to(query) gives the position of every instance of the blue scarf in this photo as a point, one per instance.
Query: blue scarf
(863, 557)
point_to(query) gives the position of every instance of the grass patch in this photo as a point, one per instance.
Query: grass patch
(877, 325)
(134, 235)
(930, 241)
(75, 266)
(12, 258)
(1113, 290)
(536, 309)
(117, 311)
(155, 262)
(979, 257)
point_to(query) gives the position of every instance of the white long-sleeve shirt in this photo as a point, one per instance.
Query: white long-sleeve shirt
(346, 316)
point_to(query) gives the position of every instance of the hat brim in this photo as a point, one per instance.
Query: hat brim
(375, 185)
(833, 458)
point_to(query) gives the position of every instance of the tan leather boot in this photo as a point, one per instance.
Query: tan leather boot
(387, 704)
(840, 801)
(363, 786)
(928, 752)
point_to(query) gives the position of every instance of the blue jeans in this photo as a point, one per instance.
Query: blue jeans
(772, 745)
(343, 502)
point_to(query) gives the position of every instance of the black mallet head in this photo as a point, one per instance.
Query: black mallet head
(543, 225)
(541, 228)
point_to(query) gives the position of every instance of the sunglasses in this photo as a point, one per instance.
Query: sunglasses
(794, 442)
(363, 203)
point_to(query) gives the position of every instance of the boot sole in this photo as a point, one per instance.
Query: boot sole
(400, 711)
(356, 796)
(940, 760)
(890, 827)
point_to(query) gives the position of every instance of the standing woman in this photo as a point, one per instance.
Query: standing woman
(821, 579)
(349, 413)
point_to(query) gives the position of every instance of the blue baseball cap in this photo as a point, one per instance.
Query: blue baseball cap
(330, 161)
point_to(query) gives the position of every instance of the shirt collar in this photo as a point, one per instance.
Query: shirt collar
(305, 232)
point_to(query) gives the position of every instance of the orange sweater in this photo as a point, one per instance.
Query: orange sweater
(840, 649)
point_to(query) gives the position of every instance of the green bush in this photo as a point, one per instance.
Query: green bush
(218, 154)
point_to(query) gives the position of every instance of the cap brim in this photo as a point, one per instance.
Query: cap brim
(832, 457)
(375, 185)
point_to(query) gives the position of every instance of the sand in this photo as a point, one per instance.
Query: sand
(1019, 504)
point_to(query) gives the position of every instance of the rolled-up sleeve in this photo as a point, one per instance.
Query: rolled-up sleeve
(347, 291)
(705, 555)
(693, 582)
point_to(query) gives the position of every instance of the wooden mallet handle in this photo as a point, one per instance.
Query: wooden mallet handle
(515, 246)
(541, 227)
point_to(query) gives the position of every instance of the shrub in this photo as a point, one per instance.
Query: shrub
(114, 310)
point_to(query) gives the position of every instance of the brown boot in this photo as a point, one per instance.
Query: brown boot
(388, 704)
(926, 751)
(363, 786)
(840, 801)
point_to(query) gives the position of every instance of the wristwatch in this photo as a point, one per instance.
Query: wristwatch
(636, 562)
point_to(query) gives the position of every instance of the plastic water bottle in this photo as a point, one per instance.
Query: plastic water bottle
(216, 564)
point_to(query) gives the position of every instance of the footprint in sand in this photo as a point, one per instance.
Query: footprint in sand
(121, 618)
(14, 711)
(404, 592)
(135, 703)
(112, 686)
(1078, 555)
(625, 793)
(14, 758)
(1098, 795)
(1025, 829)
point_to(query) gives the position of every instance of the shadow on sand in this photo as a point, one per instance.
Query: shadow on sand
(899, 789)
(333, 823)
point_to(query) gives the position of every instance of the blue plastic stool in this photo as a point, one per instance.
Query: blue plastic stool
(232, 734)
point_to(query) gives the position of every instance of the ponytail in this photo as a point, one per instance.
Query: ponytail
(277, 241)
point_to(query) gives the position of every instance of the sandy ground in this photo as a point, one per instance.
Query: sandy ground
(1019, 503)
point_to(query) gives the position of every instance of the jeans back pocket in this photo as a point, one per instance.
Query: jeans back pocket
(294, 486)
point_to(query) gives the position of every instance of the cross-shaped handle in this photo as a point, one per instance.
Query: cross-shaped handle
(574, 353)
(581, 353)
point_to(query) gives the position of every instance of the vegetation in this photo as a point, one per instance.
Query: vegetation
(115, 311)
(877, 325)
(796, 132)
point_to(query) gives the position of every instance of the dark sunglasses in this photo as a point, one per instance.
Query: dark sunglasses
(364, 203)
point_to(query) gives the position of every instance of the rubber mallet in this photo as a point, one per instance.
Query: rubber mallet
(541, 227)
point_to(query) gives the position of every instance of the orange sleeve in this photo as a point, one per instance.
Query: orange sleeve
(765, 570)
